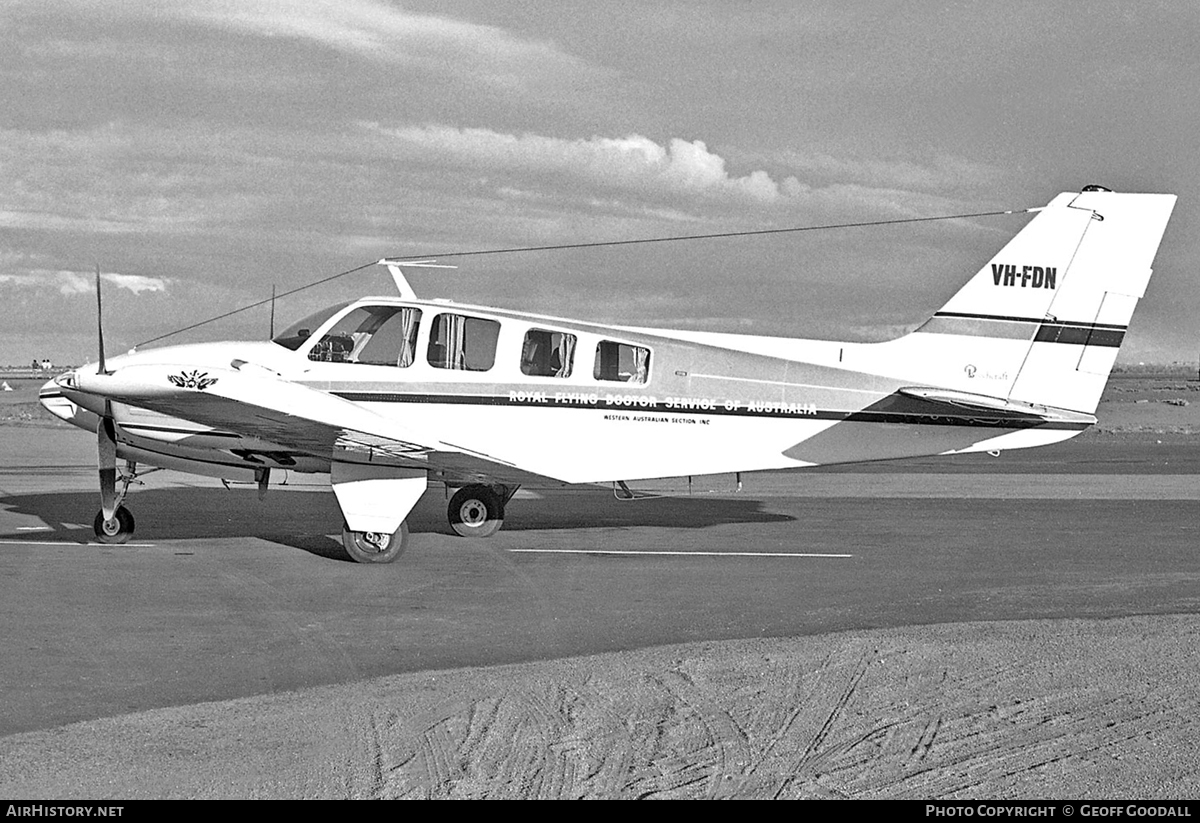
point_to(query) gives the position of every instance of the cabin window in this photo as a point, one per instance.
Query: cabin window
(372, 336)
(621, 362)
(547, 353)
(460, 342)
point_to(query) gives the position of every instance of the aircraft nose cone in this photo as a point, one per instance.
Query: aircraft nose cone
(53, 400)
(66, 380)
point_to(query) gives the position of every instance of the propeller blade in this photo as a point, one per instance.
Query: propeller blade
(106, 461)
(100, 323)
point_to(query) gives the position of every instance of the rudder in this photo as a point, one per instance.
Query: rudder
(1076, 344)
(1043, 320)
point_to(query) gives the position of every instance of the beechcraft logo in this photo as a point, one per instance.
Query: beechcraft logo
(1029, 277)
(192, 380)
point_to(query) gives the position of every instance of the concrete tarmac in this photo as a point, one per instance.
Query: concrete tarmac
(220, 595)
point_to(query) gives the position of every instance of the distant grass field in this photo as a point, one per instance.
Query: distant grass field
(21, 407)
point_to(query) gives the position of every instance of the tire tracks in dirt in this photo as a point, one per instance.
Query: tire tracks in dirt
(863, 719)
(1103, 708)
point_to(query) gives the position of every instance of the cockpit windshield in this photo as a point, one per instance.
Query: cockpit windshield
(371, 336)
(294, 336)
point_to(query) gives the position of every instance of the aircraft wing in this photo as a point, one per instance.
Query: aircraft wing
(257, 403)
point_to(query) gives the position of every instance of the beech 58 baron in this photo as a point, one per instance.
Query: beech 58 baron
(386, 394)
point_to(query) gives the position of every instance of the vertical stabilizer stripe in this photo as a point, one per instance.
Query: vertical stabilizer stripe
(1108, 335)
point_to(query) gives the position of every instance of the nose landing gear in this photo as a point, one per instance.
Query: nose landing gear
(118, 528)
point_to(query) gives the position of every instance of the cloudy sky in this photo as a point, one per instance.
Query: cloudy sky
(201, 152)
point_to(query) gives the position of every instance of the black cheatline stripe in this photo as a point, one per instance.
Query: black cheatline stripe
(1080, 335)
(1106, 335)
(1039, 320)
(967, 418)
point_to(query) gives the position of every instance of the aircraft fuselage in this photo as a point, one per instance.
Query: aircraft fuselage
(738, 403)
(386, 394)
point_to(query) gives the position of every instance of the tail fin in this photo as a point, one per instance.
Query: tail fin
(1043, 320)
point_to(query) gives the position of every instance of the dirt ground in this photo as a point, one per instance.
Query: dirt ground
(1023, 709)
(1064, 709)
(1161, 403)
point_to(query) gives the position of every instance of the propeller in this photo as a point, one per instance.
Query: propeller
(106, 459)
(100, 324)
(106, 432)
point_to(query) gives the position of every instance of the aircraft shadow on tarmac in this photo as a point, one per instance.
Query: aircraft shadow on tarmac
(305, 520)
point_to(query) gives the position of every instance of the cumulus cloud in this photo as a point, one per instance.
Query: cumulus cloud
(373, 29)
(130, 178)
(633, 162)
(136, 283)
(44, 220)
(69, 283)
(935, 174)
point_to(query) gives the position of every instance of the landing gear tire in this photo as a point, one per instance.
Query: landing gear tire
(375, 547)
(117, 530)
(476, 511)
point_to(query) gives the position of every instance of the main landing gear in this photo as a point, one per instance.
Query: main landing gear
(375, 547)
(478, 510)
(474, 511)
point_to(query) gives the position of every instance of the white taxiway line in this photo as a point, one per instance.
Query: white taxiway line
(677, 554)
(65, 543)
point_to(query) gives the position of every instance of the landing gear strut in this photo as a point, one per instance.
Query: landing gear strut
(375, 500)
(478, 510)
(118, 528)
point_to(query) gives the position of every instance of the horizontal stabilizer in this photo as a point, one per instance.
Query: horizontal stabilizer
(997, 405)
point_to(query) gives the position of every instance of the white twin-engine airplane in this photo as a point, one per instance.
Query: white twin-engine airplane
(386, 394)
